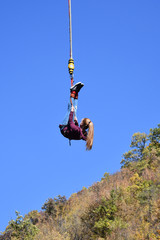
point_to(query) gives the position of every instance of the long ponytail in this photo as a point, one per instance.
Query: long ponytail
(88, 124)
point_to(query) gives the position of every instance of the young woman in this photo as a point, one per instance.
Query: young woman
(70, 127)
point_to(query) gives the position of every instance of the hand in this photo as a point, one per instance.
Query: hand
(72, 108)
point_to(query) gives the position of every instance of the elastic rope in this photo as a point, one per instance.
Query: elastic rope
(70, 27)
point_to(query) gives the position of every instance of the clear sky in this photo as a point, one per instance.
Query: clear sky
(116, 48)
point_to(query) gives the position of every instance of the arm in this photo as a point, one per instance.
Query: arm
(82, 136)
(72, 125)
(70, 122)
(70, 118)
(75, 121)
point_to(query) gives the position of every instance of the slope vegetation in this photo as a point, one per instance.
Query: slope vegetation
(125, 205)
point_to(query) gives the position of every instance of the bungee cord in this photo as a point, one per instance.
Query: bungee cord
(71, 61)
(70, 27)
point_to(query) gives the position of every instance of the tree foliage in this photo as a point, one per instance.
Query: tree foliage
(22, 228)
(124, 205)
(54, 207)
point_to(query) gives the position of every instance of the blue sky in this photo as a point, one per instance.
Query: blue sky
(116, 49)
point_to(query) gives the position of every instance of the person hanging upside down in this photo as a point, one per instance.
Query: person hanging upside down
(70, 127)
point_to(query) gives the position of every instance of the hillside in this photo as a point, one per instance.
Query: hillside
(122, 206)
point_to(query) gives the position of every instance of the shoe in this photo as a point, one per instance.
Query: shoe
(77, 87)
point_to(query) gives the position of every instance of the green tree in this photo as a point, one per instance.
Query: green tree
(54, 207)
(154, 138)
(22, 228)
(138, 144)
(99, 217)
(154, 135)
